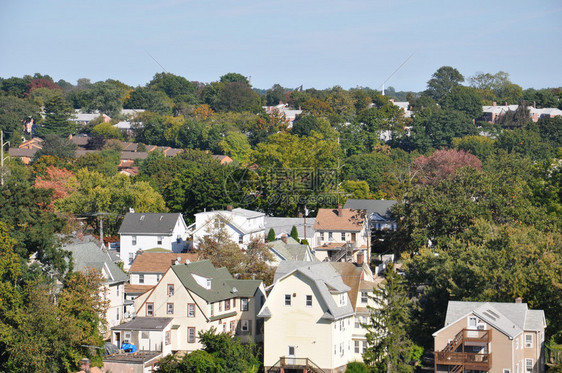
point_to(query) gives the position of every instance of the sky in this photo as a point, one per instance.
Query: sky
(315, 43)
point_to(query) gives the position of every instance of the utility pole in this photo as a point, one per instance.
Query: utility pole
(2, 157)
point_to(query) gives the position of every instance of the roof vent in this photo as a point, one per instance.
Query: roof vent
(161, 216)
(234, 290)
(142, 218)
(187, 261)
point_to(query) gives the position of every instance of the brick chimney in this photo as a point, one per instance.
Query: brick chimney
(518, 300)
(300, 215)
(229, 208)
(85, 365)
(284, 238)
(360, 258)
(494, 103)
(340, 212)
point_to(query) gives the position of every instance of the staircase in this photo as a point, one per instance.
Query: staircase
(459, 361)
(286, 363)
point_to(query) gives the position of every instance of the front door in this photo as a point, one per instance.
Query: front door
(291, 356)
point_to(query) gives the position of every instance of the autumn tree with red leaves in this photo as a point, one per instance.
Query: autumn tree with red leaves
(60, 180)
(442, 164)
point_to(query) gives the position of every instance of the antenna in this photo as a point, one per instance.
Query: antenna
(156, 61)
(394, 72)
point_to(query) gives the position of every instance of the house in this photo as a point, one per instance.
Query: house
(84, 119)
(493, 113)
(491, 337)
(144, 231)
(138, 362)
(241, 225)
(289, 115)
(283, 226)
(223, 159)
(88, 254)
(314, 315)
(287, 248)
(378, 212)
(189, 298)
(340, 234)
(145, 272)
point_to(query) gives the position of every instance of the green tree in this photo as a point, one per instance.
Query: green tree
(294, 233)
(175, 87)
(232, 355)
(56, 146)
(270, 235)
(390, 349)
(150, 99)
(464, 99)
(13, 111)
(57, 113)
(442, 82)
(237, 96)
(234, 78)
(275, 95)
(198, 361)
(480, 146)
(236, 145)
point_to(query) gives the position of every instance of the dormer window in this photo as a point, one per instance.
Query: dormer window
(343, 299)
(208, 283)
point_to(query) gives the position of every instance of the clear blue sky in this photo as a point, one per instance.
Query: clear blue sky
(318, 44)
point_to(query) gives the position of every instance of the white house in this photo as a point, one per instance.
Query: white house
(241, 225)
(283, 226)
(287, 248)
(341, 234)
(88, 255)
(314, 315)
(145, 231)
(190, 298)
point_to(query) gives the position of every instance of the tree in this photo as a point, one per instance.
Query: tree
(464, 99)
(237, 96)
(294, 233)
(57, 113)
(61, 181)
(106, 97)
(275, 95)
(13, 112)
(198, 361)
(178, 88)
(390, 349)
(236, 146)
(481, 146)
(107, 130)
(442, 82)
(56, 146)
(150, 99)
(270, 235)
(232, 355)
(234, 78)
(442, 164)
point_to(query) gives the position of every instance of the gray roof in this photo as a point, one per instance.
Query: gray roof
(377, 206)
(223, 285)
(247, 213)
(89, 255)
(291, 250)
(149, 223)
(509, 318)
(284, 225)
(325, 278)
(145, 323)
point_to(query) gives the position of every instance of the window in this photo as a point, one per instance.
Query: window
(528, 340)
(472, 322)
(212, 309)
(357, 322)
(159, 240)
(170, 290)
(516, 343)
(190, 334)
(321, 236)
(245, 325)
(353, 237)
(330, 236)
(141, 279)
(134, 240)
(191, 309)
(364, 297)
(528, 365)
(357, 346)
(309, 300)
(220, 306)
(232, 327)
(150, 309)
(170, 308)
(131, 257)
(117, 313)
(178, 239)
(291, 351)
(343, 299)
(227, 305)
(341, 349)
(240, 239)
(117, 290)
(342, 236)
(233, 302)
(244, 304)
(168, 339)
(506, 371)
(287, 299)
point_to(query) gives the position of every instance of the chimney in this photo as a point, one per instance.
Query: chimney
(229, 208)
(300, 215)
(284, 238)
(535, 104)
(494, 103)
(518, 300)
(340, 210)
(360, 258)
(506, 104)
(85, 365)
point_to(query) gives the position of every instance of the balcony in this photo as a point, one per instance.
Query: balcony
(289, 364)
(454, 353)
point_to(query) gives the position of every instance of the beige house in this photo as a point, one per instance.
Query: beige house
(341, 234)
(190, 298)
(314, 315)
(491, 337)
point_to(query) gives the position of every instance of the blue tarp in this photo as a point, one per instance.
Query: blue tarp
(128, 347)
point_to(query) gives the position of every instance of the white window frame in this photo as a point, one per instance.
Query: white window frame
(244, 304)
(159, 240)
(528, 341)
(527, 363)
(191, 334)
(357, 346)
(287, 299)
(141, 278)
(472, 322)
(134, 240)
(342, 236)
(245, 325)
(191, 309)
(169, 308)
(170, 289)
(364, 296)
(149, 309)
(308, 301)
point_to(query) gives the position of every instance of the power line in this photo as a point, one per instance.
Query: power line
(394, 72)
(156, 61)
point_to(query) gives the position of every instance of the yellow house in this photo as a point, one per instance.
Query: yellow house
(490, 337)
(313, 316)
(190, 298)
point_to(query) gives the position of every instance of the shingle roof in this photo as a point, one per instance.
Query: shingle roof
(145, 323)
(223, 285)
(378, 206)
(284, 225)
(89, 255)
(326, 280)
(154, 262)
(340, 219)
(290, 250)
(149, 223)
(509, 318)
